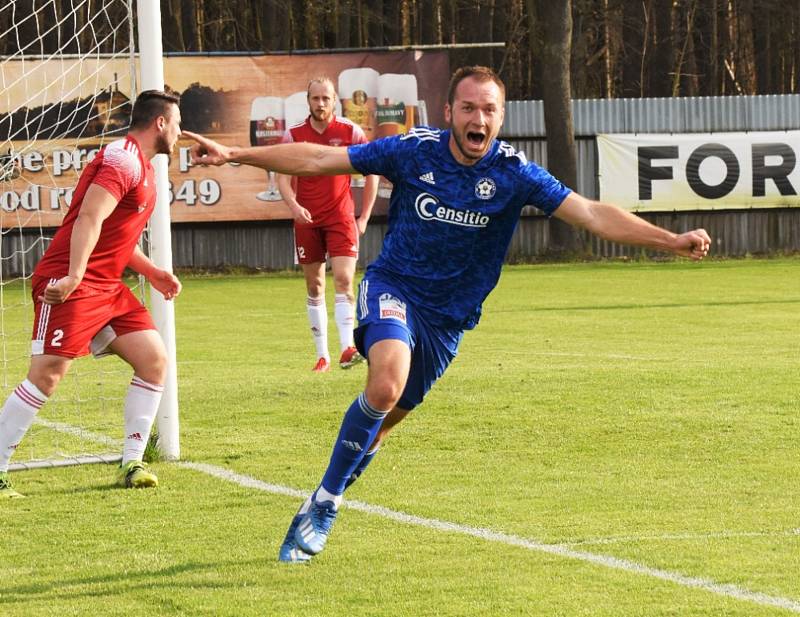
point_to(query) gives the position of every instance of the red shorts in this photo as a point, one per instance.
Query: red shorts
(90, 316)
(340, 239)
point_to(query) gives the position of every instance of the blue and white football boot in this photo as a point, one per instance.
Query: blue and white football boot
(289, 551)
(314, 526)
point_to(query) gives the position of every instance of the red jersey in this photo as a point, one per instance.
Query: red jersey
(327, 198)
(121, 169)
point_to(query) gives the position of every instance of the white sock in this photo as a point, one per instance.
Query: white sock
(323, 495)
(318, 318)
(345, 317)
(16, 418)
(141, 405)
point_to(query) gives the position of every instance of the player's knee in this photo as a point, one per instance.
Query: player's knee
(316, 290)
(45, 382)
(344, 285)
(153, 368)
(384, 393)
(46, 375)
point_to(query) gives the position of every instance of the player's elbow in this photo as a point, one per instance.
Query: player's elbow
(330, 161)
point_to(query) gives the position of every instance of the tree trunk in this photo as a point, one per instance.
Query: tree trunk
(741, 35)
(561, 156)
(486, 30)
(376, 24)
(692, 81)
(391, 23)
(343, 15)
(534, 50)
(405, 22)
(429, 28)
(469, 30)
(192, 24)
(172, 22)
(636, 49)
(661, 82)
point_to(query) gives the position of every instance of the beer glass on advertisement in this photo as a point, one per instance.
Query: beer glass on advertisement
(267, 126)
(396, 110)
(295, 108)
(397, 103)
(358, 89)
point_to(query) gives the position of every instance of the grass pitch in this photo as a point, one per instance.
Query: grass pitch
(645, 414)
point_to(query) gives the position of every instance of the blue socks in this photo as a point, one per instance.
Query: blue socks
(359, 428)
(362, 466)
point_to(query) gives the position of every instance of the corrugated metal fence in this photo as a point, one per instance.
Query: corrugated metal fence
(735, 232)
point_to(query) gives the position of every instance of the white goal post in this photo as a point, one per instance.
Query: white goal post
(152, 78)
(69, 72)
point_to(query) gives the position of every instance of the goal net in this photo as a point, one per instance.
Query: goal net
(68, 79)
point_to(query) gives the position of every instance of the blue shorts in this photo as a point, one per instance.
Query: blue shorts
(383, 313)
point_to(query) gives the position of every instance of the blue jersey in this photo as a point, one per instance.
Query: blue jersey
(450, 224)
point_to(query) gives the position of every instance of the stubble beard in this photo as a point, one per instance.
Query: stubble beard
(163, 146)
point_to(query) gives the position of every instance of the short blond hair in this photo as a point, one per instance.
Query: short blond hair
(320, 80)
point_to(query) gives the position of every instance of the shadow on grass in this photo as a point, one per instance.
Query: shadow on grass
(124, 582)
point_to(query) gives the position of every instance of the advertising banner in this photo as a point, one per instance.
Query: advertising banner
(236, 100)
(701, 171)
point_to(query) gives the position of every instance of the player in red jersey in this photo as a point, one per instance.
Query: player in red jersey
(325, 223)
(80, 303)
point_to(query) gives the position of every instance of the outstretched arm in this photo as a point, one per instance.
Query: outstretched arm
(618, 225)
(296, 159)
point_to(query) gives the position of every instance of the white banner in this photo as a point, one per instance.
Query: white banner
(700, 171)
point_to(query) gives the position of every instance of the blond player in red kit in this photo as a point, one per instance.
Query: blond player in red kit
(325, 223)
(80, 302)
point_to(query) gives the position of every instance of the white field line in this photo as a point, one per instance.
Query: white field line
(76, 431)
(704, 584)
(669, 537)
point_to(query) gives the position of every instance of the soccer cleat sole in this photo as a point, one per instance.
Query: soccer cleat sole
(293, 555)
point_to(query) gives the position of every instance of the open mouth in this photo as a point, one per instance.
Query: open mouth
(475, 138)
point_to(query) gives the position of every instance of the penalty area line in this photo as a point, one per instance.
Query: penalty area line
(606, 561)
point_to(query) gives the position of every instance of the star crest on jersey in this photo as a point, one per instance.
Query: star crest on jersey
(485, 188)
(428, 177)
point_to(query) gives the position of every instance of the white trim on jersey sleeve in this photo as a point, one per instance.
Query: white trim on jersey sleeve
(123, 156)
(422, 133)
(287, 135)
(358, 136)
(508, 151)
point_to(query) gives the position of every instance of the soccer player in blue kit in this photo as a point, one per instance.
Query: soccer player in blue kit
(456, 199)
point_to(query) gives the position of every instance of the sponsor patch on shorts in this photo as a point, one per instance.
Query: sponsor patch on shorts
(392, 308)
